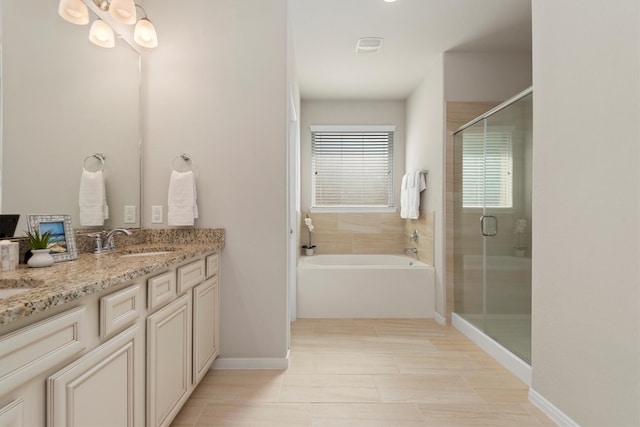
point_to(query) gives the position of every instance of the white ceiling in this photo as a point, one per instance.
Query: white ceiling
(415, 32)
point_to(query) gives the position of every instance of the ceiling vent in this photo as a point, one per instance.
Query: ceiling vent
(369, 45)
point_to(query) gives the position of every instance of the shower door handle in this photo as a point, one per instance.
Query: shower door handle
(489, 225)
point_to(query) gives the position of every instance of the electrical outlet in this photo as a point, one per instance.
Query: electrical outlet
(156, 214)
(129, 214)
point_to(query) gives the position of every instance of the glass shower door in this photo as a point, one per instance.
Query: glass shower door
(507, 244)
(492, 224)
(469, 280)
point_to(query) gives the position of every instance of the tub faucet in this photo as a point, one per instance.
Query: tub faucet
(410, 250)
(108, 240)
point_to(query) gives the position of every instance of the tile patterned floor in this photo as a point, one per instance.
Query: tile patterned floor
(368, 372)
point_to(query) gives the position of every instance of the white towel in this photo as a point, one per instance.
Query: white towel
(404, 197)
(410, 194)
(93, 199)
(183, 209)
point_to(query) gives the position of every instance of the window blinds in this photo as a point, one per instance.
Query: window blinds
(487, 178)
(352, 168)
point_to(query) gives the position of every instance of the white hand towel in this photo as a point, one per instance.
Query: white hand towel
(404, 197)
(93, 199)
(416, 185)
(183, 209)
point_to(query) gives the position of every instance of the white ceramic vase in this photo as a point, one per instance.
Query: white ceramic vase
(40, 258)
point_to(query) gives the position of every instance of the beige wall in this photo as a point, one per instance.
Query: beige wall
(425, 151)
(213, 96)
(586, 152)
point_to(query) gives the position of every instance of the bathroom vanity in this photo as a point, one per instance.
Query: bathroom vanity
(120, 338)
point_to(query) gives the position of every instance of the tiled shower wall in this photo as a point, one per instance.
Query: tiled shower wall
(369, 233)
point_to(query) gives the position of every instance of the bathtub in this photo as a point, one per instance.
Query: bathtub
(373, 286)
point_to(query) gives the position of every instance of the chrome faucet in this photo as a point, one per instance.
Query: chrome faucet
(109, 243)
(410, 250)
(108, 240)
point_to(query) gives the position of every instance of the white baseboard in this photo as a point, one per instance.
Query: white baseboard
(509, 360)
(251, 363)
(439, 318)
(550, 410)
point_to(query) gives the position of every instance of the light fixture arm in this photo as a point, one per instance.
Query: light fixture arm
(144, 12)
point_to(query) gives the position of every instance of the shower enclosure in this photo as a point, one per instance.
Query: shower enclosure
(492, 224)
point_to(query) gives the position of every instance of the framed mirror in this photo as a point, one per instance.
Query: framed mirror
(64, 98)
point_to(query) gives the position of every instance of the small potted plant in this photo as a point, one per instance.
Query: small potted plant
(40, 252)
(308, 249)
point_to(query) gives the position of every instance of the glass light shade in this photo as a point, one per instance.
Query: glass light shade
(101, 34)
(74, 11)
(145, 33)
(123, 11)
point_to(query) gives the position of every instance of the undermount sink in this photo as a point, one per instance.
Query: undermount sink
(143, 254)
(6, 293)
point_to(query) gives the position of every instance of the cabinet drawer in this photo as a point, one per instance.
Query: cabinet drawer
(120, 309)
(32, 350)
(190, 275)
(212, 265)
(161, 289)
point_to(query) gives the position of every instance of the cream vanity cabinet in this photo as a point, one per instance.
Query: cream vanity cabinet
(107, 386)
(182, 338)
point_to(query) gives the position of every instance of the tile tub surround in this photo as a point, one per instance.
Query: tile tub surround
(90, 273)
(369, 233)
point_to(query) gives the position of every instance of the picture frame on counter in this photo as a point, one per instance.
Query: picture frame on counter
(61, 242)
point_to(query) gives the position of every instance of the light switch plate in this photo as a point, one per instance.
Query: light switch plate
(130, 214)
(156, 214)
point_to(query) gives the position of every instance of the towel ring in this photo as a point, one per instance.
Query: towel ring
(98, 156)
(186, 158)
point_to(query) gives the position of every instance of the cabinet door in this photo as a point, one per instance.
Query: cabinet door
(168, 360)
(205, 327)
(103, 388)
(12, 414)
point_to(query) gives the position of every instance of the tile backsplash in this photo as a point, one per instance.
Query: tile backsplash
(369, 233)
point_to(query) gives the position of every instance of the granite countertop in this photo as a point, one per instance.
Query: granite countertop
(90, 273)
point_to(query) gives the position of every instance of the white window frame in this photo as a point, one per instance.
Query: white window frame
(390, 207)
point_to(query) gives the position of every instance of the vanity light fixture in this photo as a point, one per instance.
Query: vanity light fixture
(101, 34)
(145, 33)
(74, 11)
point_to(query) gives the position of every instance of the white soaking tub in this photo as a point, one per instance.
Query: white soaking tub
(373, 286)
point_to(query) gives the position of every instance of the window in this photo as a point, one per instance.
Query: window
(487, 177)
(352, 166)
